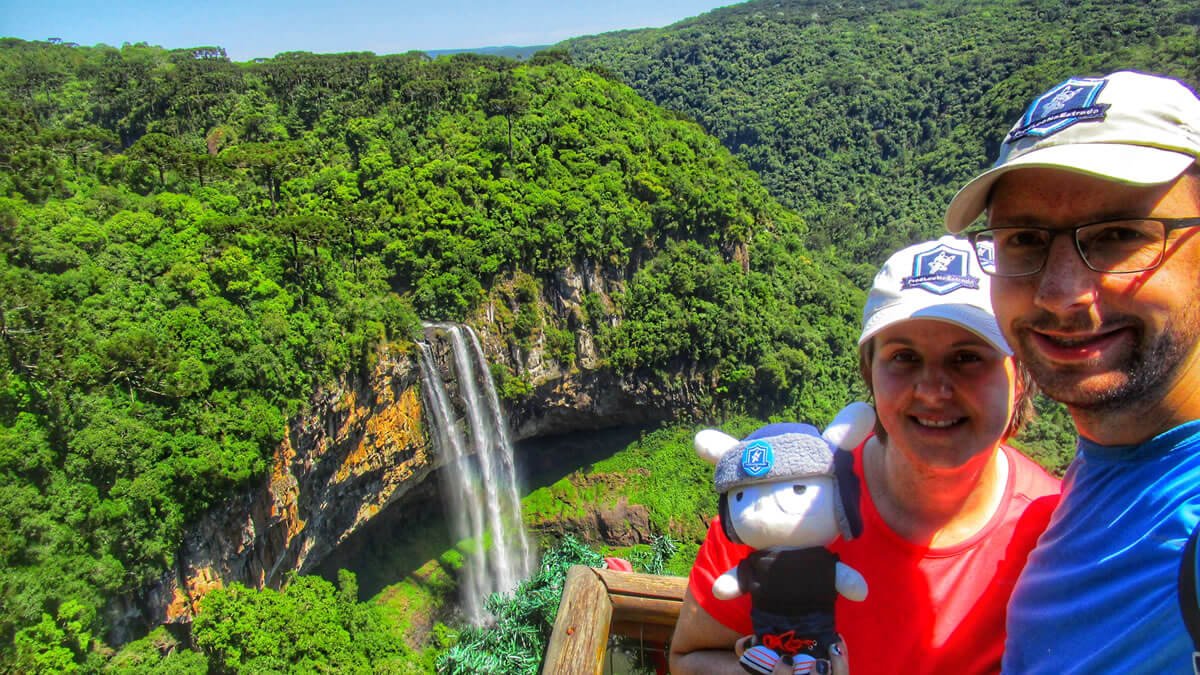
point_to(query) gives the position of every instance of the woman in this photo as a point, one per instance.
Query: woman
(949, 511)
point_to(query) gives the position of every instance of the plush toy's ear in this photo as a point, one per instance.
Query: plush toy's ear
(727, 520)
(849, 492)
(850, 426)
(711, 444)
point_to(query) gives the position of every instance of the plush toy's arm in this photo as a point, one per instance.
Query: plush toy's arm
(850, 583)
(726, 586)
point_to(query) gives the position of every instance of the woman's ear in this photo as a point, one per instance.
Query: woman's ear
(1025, 390)
(866, 353)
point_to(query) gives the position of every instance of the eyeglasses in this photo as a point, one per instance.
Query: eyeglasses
(1110, 246)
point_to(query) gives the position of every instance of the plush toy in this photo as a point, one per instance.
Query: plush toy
(788, 491)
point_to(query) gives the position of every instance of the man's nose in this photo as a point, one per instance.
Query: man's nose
(1065, 283)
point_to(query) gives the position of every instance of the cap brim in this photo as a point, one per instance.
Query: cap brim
(1128, 164)
(967, 317)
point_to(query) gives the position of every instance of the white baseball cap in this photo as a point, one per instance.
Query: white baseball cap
(1127, 127)
(938, 280)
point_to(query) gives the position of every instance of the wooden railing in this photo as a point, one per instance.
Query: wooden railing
(597, 603)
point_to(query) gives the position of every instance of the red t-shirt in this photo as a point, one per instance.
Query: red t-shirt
(928, 610)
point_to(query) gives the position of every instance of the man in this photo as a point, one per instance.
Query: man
(1093, 241)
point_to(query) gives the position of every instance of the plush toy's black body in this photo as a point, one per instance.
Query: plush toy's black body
(793, 592)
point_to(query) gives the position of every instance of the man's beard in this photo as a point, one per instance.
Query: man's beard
(1149, 369)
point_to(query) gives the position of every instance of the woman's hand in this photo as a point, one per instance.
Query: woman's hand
(838, 664)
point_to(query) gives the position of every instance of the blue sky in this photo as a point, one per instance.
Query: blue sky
(263, 28)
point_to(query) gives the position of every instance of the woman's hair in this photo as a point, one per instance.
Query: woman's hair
(1022, 407)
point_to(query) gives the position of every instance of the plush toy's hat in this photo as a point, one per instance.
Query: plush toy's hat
(773, 453)
(782, 451)
(1127, 127)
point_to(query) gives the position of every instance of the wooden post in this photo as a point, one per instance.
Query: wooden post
(597, 602)
(581, 628)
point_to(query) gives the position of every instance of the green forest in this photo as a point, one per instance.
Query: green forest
(865, 117)
(191, 247)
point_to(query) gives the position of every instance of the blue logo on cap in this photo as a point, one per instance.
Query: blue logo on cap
(757, 458)
(941, 270)
(1069, 103)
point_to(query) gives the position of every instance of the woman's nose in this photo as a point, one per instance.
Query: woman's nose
(933, 383)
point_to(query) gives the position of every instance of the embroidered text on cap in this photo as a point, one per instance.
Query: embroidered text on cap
(1069, 103)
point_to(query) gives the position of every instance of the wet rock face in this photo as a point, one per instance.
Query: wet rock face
(602, 399)
(585, 400)
(583, 394)
(622, 524)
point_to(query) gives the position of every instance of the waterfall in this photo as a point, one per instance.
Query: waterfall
(479, 477)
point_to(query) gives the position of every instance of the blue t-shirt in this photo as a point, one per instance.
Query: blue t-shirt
(1099, 593)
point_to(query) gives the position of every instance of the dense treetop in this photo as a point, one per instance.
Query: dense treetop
(866, 116)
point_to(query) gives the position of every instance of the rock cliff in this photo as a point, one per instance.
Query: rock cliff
(362, 445)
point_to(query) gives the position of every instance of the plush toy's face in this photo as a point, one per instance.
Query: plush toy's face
(797, 513)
